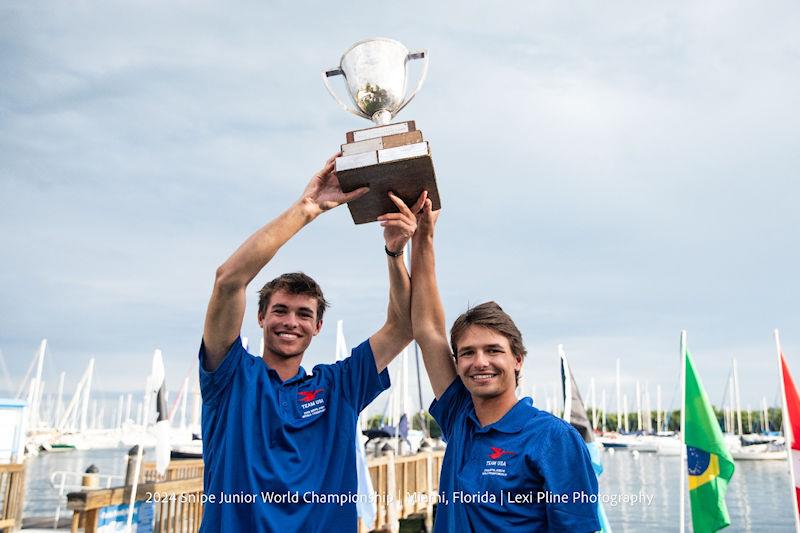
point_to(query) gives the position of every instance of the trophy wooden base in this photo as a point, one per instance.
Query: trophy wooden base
(406, 178)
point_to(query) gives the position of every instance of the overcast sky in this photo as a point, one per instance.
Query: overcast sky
(611, 173)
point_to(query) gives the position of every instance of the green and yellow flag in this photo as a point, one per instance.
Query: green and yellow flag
(709, 461)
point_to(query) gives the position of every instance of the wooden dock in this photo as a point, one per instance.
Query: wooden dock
(405, 487)
(12, 494)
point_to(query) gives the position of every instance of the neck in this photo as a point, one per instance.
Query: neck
(490, 410)
(286, 367)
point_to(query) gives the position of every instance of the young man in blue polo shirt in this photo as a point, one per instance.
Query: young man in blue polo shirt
(278, 442)
(508, 466)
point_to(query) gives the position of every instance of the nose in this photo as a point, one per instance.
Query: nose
(481, 359)
(290, 321)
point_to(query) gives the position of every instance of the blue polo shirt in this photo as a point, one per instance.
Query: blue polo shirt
(529, 471)
(280, 455)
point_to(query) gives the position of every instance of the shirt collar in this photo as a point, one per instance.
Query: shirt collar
(511, 422)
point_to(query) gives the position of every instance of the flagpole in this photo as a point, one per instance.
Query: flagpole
(683, 433)
(787, 429)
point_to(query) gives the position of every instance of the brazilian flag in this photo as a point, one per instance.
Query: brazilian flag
(709, 461)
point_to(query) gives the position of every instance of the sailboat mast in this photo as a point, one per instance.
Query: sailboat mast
(119, 413)
(619, 401)
(738, 397)
(625, 412)
(36, 386)
(603, 400)
(638, 406)
(658, 408)
(86, 391)
(731, 408)
(59, 399)
(128, 408)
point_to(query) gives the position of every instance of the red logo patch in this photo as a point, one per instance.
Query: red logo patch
(308, 395)
(497, 453)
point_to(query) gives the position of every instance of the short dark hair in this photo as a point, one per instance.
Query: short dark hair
(293, 283)
(491, 316)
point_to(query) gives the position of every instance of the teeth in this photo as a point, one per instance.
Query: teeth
(483, 376)
(287, 335)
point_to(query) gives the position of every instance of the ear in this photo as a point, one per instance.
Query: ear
(260, 320)
(318, 328)
(518, 365)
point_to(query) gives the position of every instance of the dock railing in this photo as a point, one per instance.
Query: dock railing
(12, 492)
(412, 481)
(177, 469)
(64, 482)
(177, 504)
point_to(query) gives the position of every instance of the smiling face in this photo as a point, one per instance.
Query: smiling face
(486, 364)
(289, 323)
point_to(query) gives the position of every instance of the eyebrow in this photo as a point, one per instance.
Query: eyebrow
(470, 347)
(283, 306)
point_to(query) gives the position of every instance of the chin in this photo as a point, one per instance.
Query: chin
(483, 392)
(288, 352)
(288, 355)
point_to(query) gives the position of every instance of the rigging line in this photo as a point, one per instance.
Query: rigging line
(179, 397)
(727, 384)
(6, 374)
(27, 375)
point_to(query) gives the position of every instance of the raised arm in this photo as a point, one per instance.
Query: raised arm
(396, 332)
(226, 308)
(427, 312)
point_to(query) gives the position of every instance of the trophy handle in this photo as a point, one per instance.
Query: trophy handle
(337, 71)
(419, 54)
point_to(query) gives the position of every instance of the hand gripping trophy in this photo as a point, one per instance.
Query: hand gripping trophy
(387, 157)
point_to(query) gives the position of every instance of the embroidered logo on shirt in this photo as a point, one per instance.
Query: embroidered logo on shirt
(310, 404)
(497, 453)
(308, 395)
(495, 466)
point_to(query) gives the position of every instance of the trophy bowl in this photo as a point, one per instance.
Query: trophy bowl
(376, 74)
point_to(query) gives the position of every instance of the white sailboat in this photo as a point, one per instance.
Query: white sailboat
(742, 449)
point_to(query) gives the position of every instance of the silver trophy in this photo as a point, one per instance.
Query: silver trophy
(376, 75)
(386, 157)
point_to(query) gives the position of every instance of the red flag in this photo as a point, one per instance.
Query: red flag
(793, 414)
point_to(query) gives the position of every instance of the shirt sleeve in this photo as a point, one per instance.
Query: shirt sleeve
(450, 406)
(359, 377)
(567, 470)
(213, 385)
